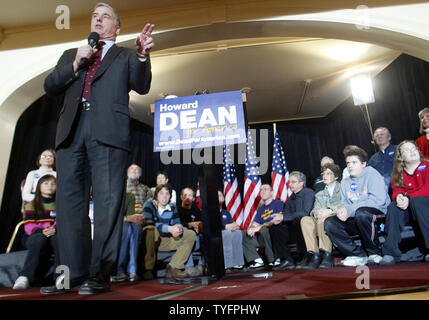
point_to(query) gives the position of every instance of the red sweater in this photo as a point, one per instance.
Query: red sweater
(416, 184)
(423, 144)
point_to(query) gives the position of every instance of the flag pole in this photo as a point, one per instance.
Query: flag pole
(274, 128)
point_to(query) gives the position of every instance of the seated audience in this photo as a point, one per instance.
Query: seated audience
(298, 205)
(363, 198)
(410, 183)
(190, 217)
(162, 178)
(46, 165)
(382, 161)
(258, 234)
(326, 205)
(170, 233)
(40, 228)
(231, 239)
(131, 228)
(423, 141)
(319, 185)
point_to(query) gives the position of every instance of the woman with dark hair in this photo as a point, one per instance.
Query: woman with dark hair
(40, 227)
(410, 184)
(46, 165)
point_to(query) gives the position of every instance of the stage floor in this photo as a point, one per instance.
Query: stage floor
(335, 283)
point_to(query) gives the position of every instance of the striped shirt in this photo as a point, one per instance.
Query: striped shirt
(34, 222)
(168, 216)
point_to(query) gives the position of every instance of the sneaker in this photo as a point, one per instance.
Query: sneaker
(193, 272)
(274, 263)
(427, 258)
(258, 263)
(374, 259)
(237, 267)
(354, 261)
(119, 278)
(134, 277)
(387, 260)
(21, 283)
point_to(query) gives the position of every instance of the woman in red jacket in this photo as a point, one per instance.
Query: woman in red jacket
(423, 141)
(410, 184)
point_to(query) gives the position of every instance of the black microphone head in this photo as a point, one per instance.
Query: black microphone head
(93, 39)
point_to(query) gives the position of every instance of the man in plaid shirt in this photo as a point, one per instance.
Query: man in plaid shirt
(140, 191)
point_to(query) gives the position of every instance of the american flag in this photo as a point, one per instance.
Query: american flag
(230, 188)
(280, 173)
(198, 196)
(252, 185)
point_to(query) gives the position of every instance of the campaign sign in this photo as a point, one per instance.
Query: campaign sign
(199, 121)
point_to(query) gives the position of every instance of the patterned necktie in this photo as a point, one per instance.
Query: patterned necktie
(92, 69)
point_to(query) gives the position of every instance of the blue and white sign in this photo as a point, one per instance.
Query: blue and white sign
(199, 121)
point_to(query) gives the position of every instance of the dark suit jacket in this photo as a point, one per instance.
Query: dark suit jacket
(299, 205)
(119, 72)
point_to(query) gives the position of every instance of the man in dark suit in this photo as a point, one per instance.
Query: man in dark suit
(92, 144)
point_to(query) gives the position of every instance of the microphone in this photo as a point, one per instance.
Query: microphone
(92, 41)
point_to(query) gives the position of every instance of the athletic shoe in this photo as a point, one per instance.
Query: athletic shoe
(193, 272)
(134, 277)
(21, 283)
(354, 261)
(374, 259)
(119, 278)
(275, 263)
(387, 260)
(258, 263)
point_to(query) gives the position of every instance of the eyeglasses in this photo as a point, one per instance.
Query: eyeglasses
(46, 156)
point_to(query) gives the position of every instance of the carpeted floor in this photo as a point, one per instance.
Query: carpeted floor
(290, 285)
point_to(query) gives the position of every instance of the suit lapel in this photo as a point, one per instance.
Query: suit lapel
(107, 60)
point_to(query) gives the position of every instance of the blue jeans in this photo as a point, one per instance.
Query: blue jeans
(197, 247)
(129, 248)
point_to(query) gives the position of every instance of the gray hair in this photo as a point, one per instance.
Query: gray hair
(136, 165)
(326, 159)
(299, 175)
(421, 112)
(382, 128)
(102, 4)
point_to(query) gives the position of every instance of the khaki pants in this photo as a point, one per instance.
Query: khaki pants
(151, 242)
(149, 238)
(313, 230)
(182, 245)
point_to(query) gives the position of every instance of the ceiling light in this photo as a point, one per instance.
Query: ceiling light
(362, 90)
